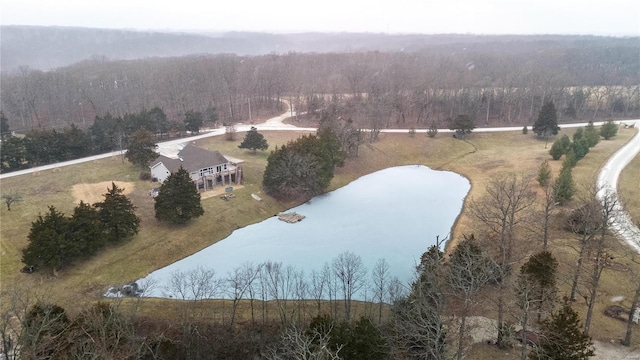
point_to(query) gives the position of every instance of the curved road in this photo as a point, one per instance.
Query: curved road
(607, 179)
(608, 182)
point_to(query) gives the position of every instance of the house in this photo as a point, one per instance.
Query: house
(206, 168)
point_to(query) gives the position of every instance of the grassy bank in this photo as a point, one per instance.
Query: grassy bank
(480, 158)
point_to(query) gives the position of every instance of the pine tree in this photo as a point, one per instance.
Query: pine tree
(49, 246)
(253, 140)
(562, 337)
(118, 216)
(544, 174)
(564, 187)
(178, 200)
(462, 125)
(547, 122)
(141, 148)
(609, 130)
(591, 134)
(86, 230)
(557, 150)
(541, 270)
(433, 130)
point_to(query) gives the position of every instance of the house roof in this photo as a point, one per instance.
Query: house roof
(192, 158)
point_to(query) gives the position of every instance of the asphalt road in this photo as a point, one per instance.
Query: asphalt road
(608, 182)
(607, 179)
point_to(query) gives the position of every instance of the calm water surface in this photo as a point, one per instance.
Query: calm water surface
(394, 214)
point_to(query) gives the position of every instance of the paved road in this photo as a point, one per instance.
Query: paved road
(607, 179)
(608, 182)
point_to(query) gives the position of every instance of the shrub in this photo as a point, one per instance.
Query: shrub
(557, 150)
(145, 175)
(525, 130)
(433, 130)
(609, 130)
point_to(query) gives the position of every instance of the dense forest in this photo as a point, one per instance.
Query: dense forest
(493, 79)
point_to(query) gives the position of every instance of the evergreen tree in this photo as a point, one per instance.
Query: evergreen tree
(86, 230)
(609, 130)
(331, 149)
(544, 174)
(433, 130)
(141, 148)
(563, 188)
(118, 216)
(580, 148)
(253, 140)
(565, 142)
(178, 200)
(562, 337)
(591, 134)
(541, 270)
(5, 131)
(579, 134)
(557, 150)
(462, 125)
(570, 159)
(547, 122)
(193, 120)
(304, 167)
(49, 246)
(13, 154)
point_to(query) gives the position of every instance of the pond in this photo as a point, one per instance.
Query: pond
(393, 214)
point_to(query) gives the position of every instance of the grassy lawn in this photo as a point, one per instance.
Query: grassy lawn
(629, 188)
(484, 156)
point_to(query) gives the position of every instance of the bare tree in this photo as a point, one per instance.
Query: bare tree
(278, 285)
(192, 288)
(296, 343)
(351, 274)
(584, 222)
(10, 198)
(506, 207)
(634, 309)
(380, 278)
(601, 249)
(470, 270)
(318, 288)
(239, 282)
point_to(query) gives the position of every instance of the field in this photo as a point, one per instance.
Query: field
(480, 159)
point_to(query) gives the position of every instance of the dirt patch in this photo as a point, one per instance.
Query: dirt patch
(93, 193)
(219, 190)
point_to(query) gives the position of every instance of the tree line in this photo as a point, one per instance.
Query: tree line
(410, 88)
(57, 241)
(107, 133)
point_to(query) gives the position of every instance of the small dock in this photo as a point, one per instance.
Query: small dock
(291, 217)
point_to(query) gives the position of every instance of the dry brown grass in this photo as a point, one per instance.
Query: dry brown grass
(93, 193)
(484, 156)
(629, 188)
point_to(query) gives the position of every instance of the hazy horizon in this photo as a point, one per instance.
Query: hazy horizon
(492, 17)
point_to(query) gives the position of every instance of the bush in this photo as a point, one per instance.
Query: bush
(580, 148)
(525, 130)
(145, 175)
(557, 150)
(433, 130)
(609, 130)
(412, 131)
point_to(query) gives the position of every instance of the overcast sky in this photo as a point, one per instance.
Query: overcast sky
(602, 17)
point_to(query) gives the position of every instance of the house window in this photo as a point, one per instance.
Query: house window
(219, 168)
